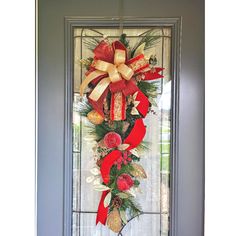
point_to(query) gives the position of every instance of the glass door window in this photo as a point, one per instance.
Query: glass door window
(154, 195)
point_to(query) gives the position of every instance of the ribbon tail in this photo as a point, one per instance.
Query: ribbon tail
(153, 74)
(99, 89)
(102, 211)
(130, 88)
(89, 78)
(143, 106)
(136, 135)
(107, 163)
(98, 105)
(118, 106)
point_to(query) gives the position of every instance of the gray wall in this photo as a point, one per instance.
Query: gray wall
(51, 104)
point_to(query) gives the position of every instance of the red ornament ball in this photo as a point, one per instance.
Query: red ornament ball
(112, 140)
(124, 182)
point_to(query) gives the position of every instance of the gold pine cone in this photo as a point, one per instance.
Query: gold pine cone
(114, 221)
(138, 171)
(95, 118)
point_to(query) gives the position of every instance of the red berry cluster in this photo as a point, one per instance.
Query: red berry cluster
(125, 159)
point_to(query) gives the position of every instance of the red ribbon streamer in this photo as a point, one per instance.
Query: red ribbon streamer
(143, 106)
(136, 135)
(102, 211)
(107, 163)
(153, 74)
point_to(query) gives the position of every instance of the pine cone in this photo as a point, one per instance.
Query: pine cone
(117, 202)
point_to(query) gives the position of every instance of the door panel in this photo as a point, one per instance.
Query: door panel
(188, 186)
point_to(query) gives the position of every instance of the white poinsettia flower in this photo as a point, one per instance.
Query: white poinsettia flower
(97, 181)
(95, 171)
(107, 200)
(90, 179)
(100, 187)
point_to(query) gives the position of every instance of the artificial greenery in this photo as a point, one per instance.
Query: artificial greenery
(133, 207)
(128, 201)
(135, 158)
(123, 39)
(150, 39)
(86, 62)
(92, 42)
(148, 88)
(136, 183)
(143, 147)
(84, 108)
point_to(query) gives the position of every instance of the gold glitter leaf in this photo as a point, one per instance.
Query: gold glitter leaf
(114, 221)
(138, 171)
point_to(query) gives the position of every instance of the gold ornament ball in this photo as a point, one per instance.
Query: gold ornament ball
(95, 118)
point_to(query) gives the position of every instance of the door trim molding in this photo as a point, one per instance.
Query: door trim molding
(70, 23)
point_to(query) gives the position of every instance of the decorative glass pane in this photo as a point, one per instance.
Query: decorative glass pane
(155, 196)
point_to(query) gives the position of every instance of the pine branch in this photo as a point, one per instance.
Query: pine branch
(143, 147)
(149, 88)
(84, 108)
(150, 39)
(134, 207)
(91, 43)
(86, 62)
(123, 40)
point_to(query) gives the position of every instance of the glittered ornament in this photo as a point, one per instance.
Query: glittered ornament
(124, 182)
(112, 140)
(114, 221)
(95, 118)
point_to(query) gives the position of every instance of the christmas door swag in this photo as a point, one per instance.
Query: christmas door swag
(120, 89)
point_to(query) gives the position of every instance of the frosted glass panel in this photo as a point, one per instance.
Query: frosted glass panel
(155, 196)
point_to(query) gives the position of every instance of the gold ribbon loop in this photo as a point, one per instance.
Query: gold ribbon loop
(102, 65)
(99, 89)
(93, 75)
(114, 74)
(125, 71)
(119, 57)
